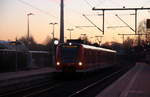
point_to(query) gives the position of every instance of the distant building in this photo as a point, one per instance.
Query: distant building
(13, 45)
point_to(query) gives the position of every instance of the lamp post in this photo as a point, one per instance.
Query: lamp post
(53, 47)
(28, 27)
(70, 32)
(53, 24)
(16, 54)
(84, 37)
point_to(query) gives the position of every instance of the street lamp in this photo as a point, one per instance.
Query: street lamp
(84, 37)
(53, 28)
(70, 32)
(56, 42)
(53, 42)
(28, 26)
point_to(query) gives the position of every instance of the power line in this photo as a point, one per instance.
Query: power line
(93, 2)
(87, 31)
(92, 23)
(100, 2)
(88, 3)
(125, 23)
(42, 11)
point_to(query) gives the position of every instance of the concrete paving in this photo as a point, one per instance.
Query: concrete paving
(135, 83)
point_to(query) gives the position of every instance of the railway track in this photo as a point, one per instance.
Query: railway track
(85, 92)
(21, 89)
(82, 87)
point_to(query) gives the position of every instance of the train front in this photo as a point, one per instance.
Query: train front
(69, 57)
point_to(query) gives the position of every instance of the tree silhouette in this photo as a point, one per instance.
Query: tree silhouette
(143, 30)
(25, 40)
(128, 43)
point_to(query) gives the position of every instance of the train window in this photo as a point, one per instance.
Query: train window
(69, 54)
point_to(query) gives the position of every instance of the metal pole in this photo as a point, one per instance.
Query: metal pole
(114, 9)
(136, 30)
(103, 21)
(62, 21)
(70, 32)
(28, 29)
(53, 24)
(136, 22)
(53, 32)
(111, 9)
(70, 35)
(53, 47)
(16, 56)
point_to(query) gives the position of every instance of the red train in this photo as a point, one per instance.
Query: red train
(82, 58)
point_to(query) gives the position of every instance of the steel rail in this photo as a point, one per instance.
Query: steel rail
(94, 84)
(38, 85)
(41, 91)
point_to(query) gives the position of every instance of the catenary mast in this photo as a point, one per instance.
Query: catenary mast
(62, 21)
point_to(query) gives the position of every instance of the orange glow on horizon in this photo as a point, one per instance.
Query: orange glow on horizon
(14, 20)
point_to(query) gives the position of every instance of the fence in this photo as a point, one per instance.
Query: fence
(10, 60)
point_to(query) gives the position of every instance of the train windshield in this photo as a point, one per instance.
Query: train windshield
(69, 54)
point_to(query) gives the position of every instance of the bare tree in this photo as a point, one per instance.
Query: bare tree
(143, 30)
(85, 40)
(128, 43)
(49, 42)
(25, 40)
(30, 43)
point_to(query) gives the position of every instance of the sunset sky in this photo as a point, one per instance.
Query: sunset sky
(13, 18)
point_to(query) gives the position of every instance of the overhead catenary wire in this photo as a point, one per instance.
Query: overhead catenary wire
(42, 11)
(125, 23)
(87, 2)
(34, 7)
(80, 13)
(92, 23)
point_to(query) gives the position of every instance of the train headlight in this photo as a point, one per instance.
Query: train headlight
(58, 63)
(70, 43)
(80, 64)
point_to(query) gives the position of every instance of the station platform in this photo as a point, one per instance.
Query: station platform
(22, 74)
(135, 83)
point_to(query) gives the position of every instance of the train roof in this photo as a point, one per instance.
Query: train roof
(92, 47)
(98, 48)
